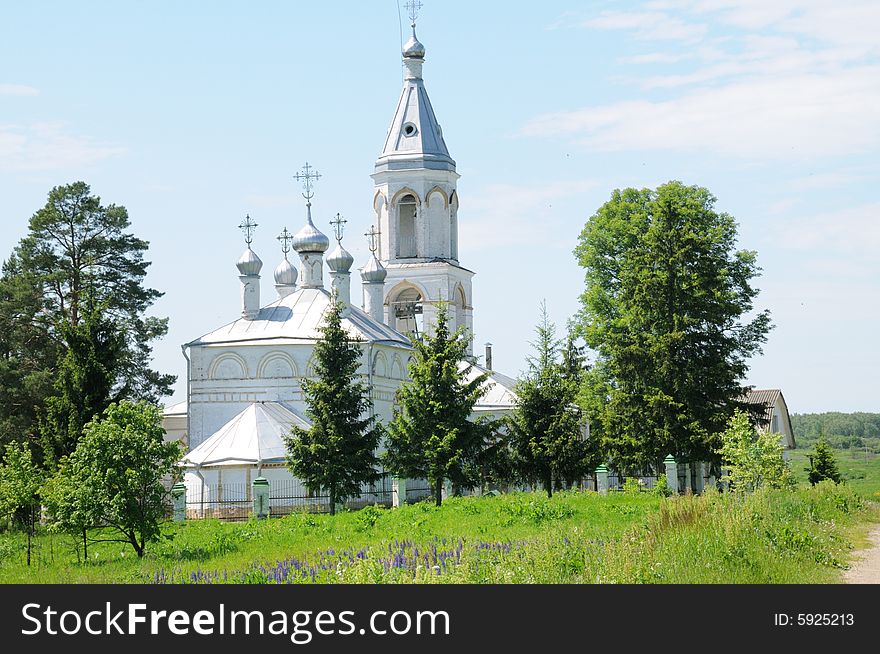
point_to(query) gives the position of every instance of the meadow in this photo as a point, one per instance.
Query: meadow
(795, 536)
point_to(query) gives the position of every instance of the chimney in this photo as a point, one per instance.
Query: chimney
(488, 356)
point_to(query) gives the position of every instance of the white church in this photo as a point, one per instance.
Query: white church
(243, 379)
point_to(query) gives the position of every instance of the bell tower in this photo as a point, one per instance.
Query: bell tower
(416, 208)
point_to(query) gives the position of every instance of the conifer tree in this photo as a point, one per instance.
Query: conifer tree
(545, 426)
(431, 435)
(823, 464)
(338, 452)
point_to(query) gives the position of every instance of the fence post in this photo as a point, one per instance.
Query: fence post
(671, 474)
(260, 487)
(398, 491)
(699, 477)
(602, 479)
(688, 486)
(178, 498)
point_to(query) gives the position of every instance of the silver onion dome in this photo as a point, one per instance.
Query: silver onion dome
(413, 48)
(340, 260)
(310, 239)
(249, 263)
(285, 273)
(374, 271)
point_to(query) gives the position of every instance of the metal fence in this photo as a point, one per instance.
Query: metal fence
(235, 501)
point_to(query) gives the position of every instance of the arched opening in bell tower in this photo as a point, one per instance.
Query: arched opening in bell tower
(407, 312)
(406, 227)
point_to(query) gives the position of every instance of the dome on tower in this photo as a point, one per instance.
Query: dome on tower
(285, 273)
(249, 263)
(310, 239)
(340, 260)
(374, 271)
(413, 48)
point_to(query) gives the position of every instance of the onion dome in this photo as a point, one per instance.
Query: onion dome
(310, 239)
(249, 263)
(285, 273)
(374, 272)
(413, 49)
(340, 260)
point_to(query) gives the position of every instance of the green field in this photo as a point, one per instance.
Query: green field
(802, 536)
(860, 469)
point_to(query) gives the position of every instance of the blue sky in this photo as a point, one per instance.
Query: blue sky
(193, 114)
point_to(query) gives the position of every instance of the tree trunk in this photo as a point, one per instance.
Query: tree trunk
(332, 500)
(30, 531)
(85, 547)
(548, 485)
(438, 492)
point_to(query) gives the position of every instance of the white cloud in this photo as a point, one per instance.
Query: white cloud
(48, 146)
(18, 90)
(850, 231)
(802, 81)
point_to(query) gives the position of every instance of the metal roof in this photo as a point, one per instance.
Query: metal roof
(254, 436)
(297, 318)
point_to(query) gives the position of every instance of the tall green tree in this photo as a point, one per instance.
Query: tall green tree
(77, 254)
(546, 424)
(823, 464)
(114, 477)
(338, 452)
(84, 382)
(753, 459)
(666, 311)
(431, 435)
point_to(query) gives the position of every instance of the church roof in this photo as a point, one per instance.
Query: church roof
(254, 436)
(297, 318)
(414, 139)
(499, 395)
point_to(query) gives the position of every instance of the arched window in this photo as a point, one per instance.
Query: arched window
(406, 227)
(460, 304)
(407, 312)
(453, 233)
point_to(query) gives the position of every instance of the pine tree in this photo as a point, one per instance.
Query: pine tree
(823, 464)
(545, 426)
(431, 435)
(338, 452)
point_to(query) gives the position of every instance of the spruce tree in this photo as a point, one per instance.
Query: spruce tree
(338, 452)
(823, 464)
(545, 426)
(431, 435)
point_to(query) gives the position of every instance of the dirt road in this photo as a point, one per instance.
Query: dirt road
(866, 563)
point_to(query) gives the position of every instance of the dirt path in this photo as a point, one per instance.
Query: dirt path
(866, 563)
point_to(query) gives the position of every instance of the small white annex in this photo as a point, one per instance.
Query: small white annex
(244, 379)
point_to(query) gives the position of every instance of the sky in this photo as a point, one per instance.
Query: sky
(194, 114)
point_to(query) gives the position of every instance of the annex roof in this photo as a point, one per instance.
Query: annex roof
(254, 436)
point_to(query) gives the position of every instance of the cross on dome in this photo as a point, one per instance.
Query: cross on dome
(338, 228)
(372, 239)
(307, 175)
(413, 7)
(285, 237)
(248, 226)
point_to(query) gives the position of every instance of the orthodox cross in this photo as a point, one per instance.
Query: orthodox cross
(285, 237)
(373, 239)
(338, 223)
(413, 7)
(248, 227)
(306, 176)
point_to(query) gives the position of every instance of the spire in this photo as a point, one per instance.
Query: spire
(414, 139)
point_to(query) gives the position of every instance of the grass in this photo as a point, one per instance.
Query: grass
(800, 536)
(860, 470)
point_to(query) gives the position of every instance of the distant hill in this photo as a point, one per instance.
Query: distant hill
(843, 430)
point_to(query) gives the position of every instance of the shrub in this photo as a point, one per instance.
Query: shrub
(753, 459)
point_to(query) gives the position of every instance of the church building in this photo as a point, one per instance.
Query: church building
(243, 379)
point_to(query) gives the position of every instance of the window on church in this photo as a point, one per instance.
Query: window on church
(406, 232)
(453, 235)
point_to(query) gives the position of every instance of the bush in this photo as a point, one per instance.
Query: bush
(753, 459)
